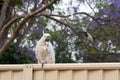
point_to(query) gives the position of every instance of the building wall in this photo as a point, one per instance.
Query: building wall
(81, 71)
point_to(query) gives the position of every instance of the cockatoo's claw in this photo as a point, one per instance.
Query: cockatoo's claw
(43, 64)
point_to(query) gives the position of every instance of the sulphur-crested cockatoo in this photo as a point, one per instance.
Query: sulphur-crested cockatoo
(89, 36)
(44, 50)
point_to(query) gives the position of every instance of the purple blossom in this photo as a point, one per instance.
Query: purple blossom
(105, 11)
(2, 42)
(80, 51)
(33, 28)
(15, 56)
(25, 0)
(25, 12)
(71, 2)
(111, 23)
(21, 49)
(86, 19)
(34, 44)
(42, 28)
(38, 17)
(100, 21)
(96, 44)
(35, 36)
(75, 8)
(39, 6)
(36, 1)
(81, 0)
(112, 1)
(31, 52)
(115, 3)
(115, 14)
(93, 25)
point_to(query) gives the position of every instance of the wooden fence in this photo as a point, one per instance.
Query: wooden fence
(81, 71)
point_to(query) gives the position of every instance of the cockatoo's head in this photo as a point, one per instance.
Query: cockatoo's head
(46, 37)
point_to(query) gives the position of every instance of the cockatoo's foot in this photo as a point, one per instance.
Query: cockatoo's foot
(43, 64)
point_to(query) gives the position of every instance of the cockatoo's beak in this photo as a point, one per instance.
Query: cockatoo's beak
(47, 39)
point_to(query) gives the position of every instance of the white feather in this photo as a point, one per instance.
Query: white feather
(52, 52)
(44, 50)
(89, 37)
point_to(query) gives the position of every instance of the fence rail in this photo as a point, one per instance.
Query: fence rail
(81, 71)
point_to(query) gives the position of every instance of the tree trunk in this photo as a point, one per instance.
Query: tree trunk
(5, 16)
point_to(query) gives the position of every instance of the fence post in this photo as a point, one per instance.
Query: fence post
(28, 72)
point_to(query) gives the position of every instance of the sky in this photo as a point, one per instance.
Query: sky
(83, 7)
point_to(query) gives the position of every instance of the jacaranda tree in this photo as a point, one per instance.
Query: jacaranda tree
(22, 23)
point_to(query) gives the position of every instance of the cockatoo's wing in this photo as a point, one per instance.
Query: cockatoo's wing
(52, 52)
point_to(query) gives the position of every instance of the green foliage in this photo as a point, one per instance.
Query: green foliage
(1, 1)
(18, 3)
(51, 8)
(63, 55)
(62, 52)
(56, 35)
(13, 56)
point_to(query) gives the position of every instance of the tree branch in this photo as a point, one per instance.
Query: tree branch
(3, 13)
(76, 13)
(18, 28)
(6, 26)
(70, 26)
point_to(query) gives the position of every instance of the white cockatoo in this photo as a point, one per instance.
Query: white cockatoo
(89, 36)
(44, 50)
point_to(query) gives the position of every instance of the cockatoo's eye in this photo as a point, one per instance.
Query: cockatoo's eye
(47, 38)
